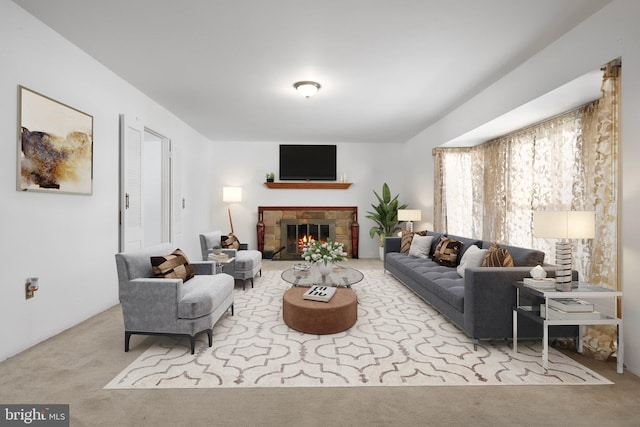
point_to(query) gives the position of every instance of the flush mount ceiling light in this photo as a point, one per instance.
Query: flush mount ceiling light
(307, 88)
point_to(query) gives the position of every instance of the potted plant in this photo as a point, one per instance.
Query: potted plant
(385, 215)
(217, 250)
(270, 177)
(324, 254)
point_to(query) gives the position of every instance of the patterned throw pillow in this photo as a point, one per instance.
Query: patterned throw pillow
(497, 257)
(173, 266)
(447, 252)
(407, 238)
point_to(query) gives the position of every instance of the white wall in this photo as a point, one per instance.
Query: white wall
(612, 32)
(68, 241)
(245, 164)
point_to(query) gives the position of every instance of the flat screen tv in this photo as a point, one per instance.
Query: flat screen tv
(308, 162)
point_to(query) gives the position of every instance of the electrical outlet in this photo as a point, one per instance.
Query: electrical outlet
(30, 287)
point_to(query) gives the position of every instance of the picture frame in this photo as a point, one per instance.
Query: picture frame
(55, 146)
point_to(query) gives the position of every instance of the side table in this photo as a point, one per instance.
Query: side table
(604, 300)
(219, 263)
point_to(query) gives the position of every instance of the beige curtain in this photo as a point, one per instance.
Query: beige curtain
(569, 162)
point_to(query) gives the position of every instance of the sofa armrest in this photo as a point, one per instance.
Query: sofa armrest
(392, 244)
(489, 297)
(230, 252)
(204, 267)
(150, 304)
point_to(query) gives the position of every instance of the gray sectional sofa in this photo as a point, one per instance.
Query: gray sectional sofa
(480, 303)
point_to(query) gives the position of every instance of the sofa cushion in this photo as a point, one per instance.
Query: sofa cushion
(407, 238)
(420, 246)
(436, 240)
(447, 252)
(522, 257)
(497, 257)
(173, 266)
(466, 243)
(203, 294)
(473, 257)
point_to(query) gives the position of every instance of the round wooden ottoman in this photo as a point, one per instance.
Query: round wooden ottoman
(315, 317)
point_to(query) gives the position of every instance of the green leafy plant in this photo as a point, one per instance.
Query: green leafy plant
(270, 176)
(385, 214)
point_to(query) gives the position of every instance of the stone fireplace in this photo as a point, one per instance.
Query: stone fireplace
(282, 229)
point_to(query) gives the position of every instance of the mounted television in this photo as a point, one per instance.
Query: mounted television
(308, 162)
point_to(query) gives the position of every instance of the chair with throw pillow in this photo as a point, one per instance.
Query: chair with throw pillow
(161, 293)
(247, 263)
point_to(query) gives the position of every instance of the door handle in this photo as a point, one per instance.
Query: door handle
(126, 200)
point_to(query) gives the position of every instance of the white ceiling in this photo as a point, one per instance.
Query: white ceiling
(388, 69)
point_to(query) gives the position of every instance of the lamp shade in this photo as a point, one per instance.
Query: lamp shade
(307, 88)
(232, 194)
(409, 214)
(564, 224)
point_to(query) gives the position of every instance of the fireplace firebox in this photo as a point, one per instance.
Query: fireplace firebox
(281, 229)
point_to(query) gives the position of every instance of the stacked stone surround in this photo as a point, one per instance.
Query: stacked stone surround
(270, 217)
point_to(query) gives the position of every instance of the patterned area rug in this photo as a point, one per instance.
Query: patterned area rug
(398, 340)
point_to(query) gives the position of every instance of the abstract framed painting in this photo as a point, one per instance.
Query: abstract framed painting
(55, 146)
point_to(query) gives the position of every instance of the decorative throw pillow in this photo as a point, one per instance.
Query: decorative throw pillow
(472, 257)
(420, 246)
(407, 238)
(173, 266)
(497, 257)
(447, 252)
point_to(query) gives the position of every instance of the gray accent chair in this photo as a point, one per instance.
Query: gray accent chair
(158, 306)
(247, 263)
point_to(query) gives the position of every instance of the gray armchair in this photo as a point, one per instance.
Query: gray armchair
(247, 263)
(159, 306)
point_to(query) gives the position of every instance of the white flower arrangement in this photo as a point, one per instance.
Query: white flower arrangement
(324, 252)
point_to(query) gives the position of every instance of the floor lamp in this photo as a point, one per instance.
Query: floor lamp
(564, 225)
(409, 215)
(231, 195)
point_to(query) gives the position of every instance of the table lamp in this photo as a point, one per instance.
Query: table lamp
(409, 215)
(564, 225)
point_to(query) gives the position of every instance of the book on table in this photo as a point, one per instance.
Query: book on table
(557, 314)
(545, 284)
(571, 305)
(319, 293)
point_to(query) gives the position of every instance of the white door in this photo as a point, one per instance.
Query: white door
(146, 182)
(131, 140)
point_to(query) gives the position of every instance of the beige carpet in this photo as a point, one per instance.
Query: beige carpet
(398, 340)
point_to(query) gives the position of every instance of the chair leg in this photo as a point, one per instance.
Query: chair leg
(252, 282)
(244, 283)
(210, 335)
(127, 335)
(193, 343)
(232, 309)
(260, 272)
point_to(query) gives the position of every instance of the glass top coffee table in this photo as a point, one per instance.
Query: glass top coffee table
(305, 275)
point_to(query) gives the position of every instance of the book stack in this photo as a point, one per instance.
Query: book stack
(218, 257)
(540, 284)
(319, 293)
(571, 308)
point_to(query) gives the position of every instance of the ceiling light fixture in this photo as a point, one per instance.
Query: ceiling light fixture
(307, 88)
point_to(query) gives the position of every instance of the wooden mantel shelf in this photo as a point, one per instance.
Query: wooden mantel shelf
(306, 185)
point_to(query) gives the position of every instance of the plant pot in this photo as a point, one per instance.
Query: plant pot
(270, 179)
(381, 253)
